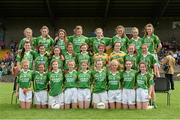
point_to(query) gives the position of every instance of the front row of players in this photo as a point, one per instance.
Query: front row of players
(100, 87)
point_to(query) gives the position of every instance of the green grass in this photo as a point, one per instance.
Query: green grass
(8, 111)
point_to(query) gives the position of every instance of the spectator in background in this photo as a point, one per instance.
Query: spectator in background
(170, 61)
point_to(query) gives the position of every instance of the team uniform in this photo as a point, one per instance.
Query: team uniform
(83, 57)
(40, 82)
(22, 42)
(114, 87)
(27, 56)
(59, 60)
(56, 95)
(48, 42)
(143, 81)
(128, 84)
(133, 59)
(149, 59)
(84, 83)
(119, 57)
(41, 59)
(103, 57)
(77, 41)
(61, 45)
(100, 86)
(70, 85)
(68, 57)
(24, 80)
(95, 42)
(137, 43)
(122, 40)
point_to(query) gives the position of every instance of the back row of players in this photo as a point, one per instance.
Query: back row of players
(76, 65)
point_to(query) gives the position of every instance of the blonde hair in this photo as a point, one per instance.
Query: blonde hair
(44, 27)
(24, 61)
(134, 29)
(121, 27)
(145, 28)
(27, 29)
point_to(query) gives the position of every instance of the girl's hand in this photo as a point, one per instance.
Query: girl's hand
(62, 57)
(149, 96)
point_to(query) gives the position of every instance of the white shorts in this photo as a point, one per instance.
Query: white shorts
(70, 95)
(84, 95)
(25, 97)
(59, 99)
(115, 96)
(41, 97)
(100, 97)
(142, 95)
(128, 96)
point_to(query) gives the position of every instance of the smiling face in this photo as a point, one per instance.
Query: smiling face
(142, 67)
(101, 48)
(149, 30)
(135, 32)
(99, 32)
(42, 49)
(71, 65)
(70, 48)
(117, 46)
(131, 49)
(83, 48)
(55, 65)
(99, 64)
(61, 35)
(27, 46)
(25, 65)
(84, 65)
(57, 51)
(128, 65)
(44, 32)
(41, 68)
(120, 31)
(144, 48)
(114, 65)
(28, 33)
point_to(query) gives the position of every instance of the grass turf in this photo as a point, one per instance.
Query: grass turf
(8, 111)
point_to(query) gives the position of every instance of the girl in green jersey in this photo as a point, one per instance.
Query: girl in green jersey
(24, 86)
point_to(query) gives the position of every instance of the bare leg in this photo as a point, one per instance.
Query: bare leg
(67, 106)
(74, 105)
(118, 105)
(131, 106)
(86, 104)
(112, 105)
(38, 106)
(23, 105)
(139, 105)
(28, 105)
(43, 106)
(125, 106)
(81, 104)
(106, 105)
(94, 105)
(145, 105)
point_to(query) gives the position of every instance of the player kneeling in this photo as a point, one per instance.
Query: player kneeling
(56, 97)
(144, 87)
(100, 97)
(40, 87)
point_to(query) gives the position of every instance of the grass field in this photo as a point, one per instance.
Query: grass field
(8, 111)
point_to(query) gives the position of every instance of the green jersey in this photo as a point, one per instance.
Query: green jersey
(152, 42)
(123, 41)
(58, 59)
(68, 57)
(137, 43)
(61, 45)
(22, 42)
(149, 59)
(84, 79)
(144, 80)
(24, 79)
(129, 79)
(95, 42)
(27, 56)
(77, 41)
(56, 82)
(40, 81)
(132, 58)
(99, 81)
(114, 80)
(71, 79)
(48, 42)
(83, 57)
(41, 59)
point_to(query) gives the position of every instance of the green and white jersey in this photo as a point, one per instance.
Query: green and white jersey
(77, 41)
(149, 59)
(95, 42)
(60, 62)
(48, 42)
(40, 81)
(24, 79)
(152, 42)
(55, 82)
(71, 79)
(68, 57)
(137, 42)
(99, 81)
(132, 58)
(129, 78)
(144, 80)
(39, 59)
(123, 41)
(84, 79)
(114, 80)
(61, 45)
(27, 56)
(83, 57)
(22, 42)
